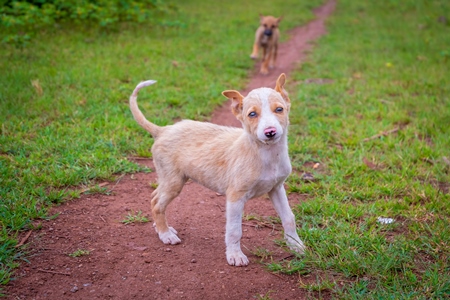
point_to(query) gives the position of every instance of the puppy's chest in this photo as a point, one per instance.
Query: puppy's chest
(273, 173)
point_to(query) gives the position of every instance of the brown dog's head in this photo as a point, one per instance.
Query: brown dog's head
(269, 24)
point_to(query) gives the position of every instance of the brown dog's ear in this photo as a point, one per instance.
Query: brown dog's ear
(279, 20)
(236, 101)
(280, 88)
(261, 18)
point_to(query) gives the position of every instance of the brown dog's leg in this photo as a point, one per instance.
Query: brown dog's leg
(274, 56)
(254, 54)
(258, 33)
(265, 61)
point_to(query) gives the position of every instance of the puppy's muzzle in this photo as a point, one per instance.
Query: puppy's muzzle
(270, 132)
(268, 32)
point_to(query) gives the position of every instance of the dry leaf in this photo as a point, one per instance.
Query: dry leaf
(369, 164)
(37, 86)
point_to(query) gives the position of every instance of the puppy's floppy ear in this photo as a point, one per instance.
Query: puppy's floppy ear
(236, 101)
(280, 88)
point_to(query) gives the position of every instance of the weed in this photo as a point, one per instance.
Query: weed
(265, 296)
(319, 285)
(136, 218)
(262, 253)
(98, 190)
(80, 252)
(251, 217)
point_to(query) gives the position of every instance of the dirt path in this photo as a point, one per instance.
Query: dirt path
(129, 261)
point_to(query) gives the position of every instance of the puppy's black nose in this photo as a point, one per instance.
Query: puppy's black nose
(270, 132)
(268, 32)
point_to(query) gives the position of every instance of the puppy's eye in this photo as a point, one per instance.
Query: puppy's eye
(279, 109)
(265, 25)
(273, 26)
(252, 114)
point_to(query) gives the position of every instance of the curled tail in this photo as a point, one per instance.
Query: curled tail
(138, 115)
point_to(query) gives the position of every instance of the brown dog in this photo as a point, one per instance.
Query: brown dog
(266, 37)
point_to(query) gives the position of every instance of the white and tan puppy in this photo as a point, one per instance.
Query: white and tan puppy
(266, 37)
(241, 163)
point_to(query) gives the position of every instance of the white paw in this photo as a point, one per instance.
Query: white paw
(237, 258)
(169, 237)
(170, 228)
(252, 56)
(295, 245)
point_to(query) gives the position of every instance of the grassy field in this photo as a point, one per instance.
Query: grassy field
(370, 122)
(372, 107)
(65, 121)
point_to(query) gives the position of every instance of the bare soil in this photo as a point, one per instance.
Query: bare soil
(130, 262)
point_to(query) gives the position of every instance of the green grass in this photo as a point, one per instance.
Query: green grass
(65, 121)
(387, 66)
(80, 252)
(136, 218)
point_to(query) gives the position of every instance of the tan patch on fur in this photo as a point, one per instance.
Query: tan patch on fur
(281, 116)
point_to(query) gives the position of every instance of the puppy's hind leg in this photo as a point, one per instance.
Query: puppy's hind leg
(162, 197)
(281, 204)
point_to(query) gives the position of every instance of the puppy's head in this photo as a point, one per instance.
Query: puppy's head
(264, 113)
(269, 24)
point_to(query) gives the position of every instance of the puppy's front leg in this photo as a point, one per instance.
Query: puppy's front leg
(281, 204)
(233, 234)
